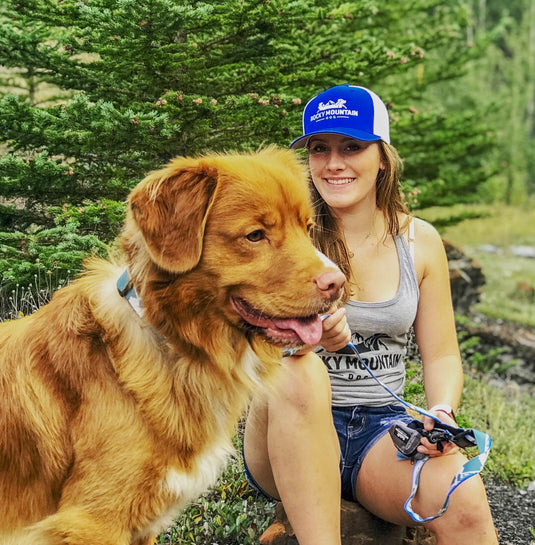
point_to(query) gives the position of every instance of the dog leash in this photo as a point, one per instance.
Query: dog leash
(469, 437)
(469, 469)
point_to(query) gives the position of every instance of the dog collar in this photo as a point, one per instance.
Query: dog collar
(127, 290)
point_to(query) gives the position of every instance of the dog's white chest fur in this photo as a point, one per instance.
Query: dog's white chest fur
(186, 486)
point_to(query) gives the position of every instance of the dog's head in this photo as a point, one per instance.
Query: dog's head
(228, 235)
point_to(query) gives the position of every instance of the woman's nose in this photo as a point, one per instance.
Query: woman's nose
(335, 161)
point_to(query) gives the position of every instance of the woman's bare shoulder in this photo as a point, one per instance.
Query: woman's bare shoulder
(430, 251)
(426, 231)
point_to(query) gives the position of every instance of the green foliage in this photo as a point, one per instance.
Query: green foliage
(56, 252)
(489, 362)
(508, 70)
(98, 93)
(103, 218)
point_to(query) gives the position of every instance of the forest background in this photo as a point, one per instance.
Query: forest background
(96, 93)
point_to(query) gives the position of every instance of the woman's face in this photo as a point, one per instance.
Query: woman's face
(344, 170)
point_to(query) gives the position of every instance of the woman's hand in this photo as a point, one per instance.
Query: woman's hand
(336, 332)
(431, 449)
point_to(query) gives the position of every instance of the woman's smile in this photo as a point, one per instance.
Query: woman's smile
(339, 181)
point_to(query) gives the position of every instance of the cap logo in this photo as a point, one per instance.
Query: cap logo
(340, 103)
(332, 110)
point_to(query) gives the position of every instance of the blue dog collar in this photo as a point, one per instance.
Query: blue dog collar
(127, 290)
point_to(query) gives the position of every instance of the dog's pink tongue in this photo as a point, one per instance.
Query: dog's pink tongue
(309, 330)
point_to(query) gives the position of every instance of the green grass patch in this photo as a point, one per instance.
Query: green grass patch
(506, 415)
(475, 225)
(510, 280)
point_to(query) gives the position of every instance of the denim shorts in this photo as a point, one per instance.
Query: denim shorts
(358, 429)
(252, 482)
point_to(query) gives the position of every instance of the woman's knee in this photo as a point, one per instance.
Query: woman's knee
(305, 381)
(468, 511)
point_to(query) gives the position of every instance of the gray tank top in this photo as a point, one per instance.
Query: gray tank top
(380, 333)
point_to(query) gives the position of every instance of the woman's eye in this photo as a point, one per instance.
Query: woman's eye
(317, 149)
(353, 148)
(256, 236)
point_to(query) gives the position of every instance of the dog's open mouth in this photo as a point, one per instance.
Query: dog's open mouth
(284, 331)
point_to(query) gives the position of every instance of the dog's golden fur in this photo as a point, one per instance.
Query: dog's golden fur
(110, 422)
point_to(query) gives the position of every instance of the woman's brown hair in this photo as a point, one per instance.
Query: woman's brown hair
(327, 235)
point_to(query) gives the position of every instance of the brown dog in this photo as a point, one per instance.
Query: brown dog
(119, 399)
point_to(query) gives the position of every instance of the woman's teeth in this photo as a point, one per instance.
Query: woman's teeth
(339, 181)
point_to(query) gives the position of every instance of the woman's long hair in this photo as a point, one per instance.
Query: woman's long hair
(327, 234)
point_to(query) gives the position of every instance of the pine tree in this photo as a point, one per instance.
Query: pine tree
(140, 82)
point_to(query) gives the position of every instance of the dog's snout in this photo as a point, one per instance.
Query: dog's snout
(330, 284)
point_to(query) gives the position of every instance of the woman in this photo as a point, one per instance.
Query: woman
(327, 416)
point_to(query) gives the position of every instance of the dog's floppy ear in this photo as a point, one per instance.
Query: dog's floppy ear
(171, 206)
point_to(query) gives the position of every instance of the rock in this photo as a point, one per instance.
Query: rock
(358, 527)
(466, 278)
(523, 251)
(490, 249)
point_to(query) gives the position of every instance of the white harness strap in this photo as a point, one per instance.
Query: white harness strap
(411, 238)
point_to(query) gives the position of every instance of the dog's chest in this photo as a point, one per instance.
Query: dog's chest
(179, 487)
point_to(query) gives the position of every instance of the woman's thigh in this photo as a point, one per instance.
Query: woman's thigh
(384, 483)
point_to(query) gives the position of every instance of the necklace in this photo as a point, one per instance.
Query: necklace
(353, 248)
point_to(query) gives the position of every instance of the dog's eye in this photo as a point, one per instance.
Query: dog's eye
(256, 236)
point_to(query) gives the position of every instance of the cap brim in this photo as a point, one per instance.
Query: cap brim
(357, 135)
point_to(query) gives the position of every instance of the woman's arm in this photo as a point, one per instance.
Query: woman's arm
(435, 324)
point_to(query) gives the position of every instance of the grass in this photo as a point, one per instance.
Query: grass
(507, 416)
(508, 293)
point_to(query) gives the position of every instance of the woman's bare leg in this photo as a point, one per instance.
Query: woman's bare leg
(467, 519)
(292, 450)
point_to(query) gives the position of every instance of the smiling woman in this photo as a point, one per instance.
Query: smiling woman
(344, 170)
(322, 434)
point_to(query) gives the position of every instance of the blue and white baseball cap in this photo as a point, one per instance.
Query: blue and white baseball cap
(345, 109)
